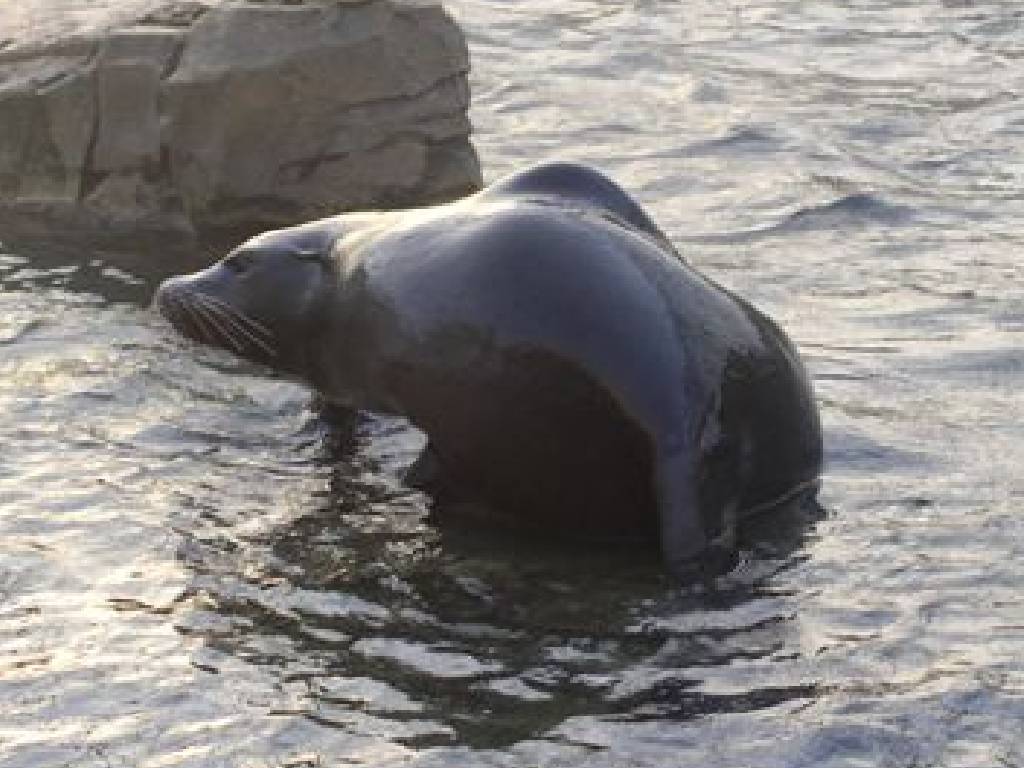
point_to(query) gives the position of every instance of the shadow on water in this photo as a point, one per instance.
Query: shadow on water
(128, 275)
(468, 637)
(119, 268)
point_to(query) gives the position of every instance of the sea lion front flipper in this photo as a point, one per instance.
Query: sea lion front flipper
(681, 528)
(424, 474)
(428, 474)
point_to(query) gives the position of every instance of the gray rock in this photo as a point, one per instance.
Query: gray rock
(202, 116)
(47, 116)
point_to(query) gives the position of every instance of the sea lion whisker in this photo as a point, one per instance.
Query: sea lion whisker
(216, 320)
(231, 318)
(250, 322)
(209, 330)
(236, 320)
(223, 322)
(254, 332)
(181, 316)
(215, 329)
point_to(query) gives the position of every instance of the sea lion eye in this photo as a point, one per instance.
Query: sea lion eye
(316, 256)
(239, 261)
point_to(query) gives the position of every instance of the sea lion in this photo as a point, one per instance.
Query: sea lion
(570, 369)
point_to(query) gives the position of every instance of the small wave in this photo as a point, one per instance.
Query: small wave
(739, 138)
(856, 210)
(852, 452)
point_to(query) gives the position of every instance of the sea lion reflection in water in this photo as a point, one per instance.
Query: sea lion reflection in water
(570, 370)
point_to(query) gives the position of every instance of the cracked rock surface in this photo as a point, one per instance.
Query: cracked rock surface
(126, 115)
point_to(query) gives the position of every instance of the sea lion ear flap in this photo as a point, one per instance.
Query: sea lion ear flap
(683, 539)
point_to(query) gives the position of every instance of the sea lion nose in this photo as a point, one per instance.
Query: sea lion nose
(174, 302)
(169, 300)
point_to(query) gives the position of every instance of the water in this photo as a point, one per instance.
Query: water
(191, 574)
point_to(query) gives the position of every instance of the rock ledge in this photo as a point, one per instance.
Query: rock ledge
(228, 114)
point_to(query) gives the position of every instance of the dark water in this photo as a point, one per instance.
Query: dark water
(190, 577)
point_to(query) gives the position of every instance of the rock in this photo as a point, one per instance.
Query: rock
(119, 115)
(47, 114)
(129, 72)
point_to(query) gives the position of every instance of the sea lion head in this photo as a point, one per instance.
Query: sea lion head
(264, 300)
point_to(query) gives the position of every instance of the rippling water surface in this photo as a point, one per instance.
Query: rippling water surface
(191, 574)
